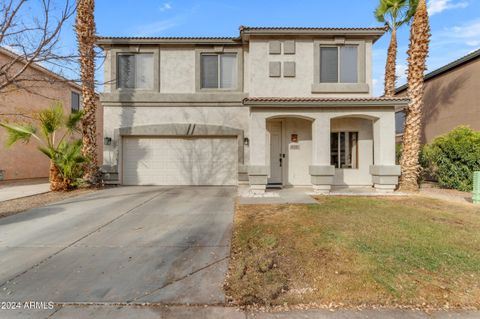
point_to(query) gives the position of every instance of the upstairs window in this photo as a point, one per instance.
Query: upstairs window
(75, 102)
(399, 122)
(218, 71)
(339, 64)
(135, 71)
(344, 149)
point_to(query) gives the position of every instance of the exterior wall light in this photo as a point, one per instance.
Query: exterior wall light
(107, 140)
(246, 141)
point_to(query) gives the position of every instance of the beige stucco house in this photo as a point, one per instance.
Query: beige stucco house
(271, 107)
(18, 104)
(452, 98)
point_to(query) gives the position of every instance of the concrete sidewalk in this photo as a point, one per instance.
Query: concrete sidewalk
(19, 191)
(180, 312)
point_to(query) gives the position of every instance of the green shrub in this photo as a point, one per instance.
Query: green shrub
(452, 158)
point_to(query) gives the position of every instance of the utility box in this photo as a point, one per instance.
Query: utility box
(476, 187)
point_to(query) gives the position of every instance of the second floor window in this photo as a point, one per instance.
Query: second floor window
(339, 64)
(75, 105)
(135, 71)
(218, 71)
(399, 122)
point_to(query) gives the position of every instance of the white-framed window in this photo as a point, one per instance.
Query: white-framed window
(135, 71)
(218, 71)
(75, 102)
(339, 64)
(344, 149)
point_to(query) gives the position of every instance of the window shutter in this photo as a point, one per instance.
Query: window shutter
(348, 64)
(228, 71)
(328, 65)
(209, 71)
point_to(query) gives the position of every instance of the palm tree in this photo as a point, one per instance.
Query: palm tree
(417, 55)
(65, 157)
(394, 13)
(85, 29)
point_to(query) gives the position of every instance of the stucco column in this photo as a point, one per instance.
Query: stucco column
(384, 171)
(258, 169)
(321, 171)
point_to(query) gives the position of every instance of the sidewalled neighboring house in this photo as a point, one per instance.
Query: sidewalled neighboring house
(452, 98)
(25, 161)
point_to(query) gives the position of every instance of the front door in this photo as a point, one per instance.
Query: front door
(275, 130)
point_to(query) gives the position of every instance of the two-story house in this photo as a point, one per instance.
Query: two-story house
(273, 106)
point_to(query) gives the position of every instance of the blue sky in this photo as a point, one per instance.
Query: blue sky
(455, 23)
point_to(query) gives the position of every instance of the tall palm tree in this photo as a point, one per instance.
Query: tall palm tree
(85, 29)
(394, 13)
(417, 55)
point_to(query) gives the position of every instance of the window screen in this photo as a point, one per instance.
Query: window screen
(348, 64)
(135, 71)
(228, 74)
(75, 102)
(328, 65)
(209, 70)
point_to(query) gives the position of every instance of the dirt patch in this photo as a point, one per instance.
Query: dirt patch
(15, 206)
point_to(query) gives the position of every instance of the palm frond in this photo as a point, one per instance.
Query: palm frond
(73, 120)
(18, 132)
(51, 119)
(50, 153)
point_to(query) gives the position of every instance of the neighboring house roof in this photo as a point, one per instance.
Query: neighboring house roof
(327, 101)
(375, 33)
(40, 68)
(463, 60)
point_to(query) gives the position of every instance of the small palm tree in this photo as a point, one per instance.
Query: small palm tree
(394, 13)
(417, 55)
(54, 137)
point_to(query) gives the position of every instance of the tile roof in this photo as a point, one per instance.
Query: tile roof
(166, 38)
(452, 65)
(322, 99)
(245, 28)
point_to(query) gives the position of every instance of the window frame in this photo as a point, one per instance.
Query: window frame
(218, 51)
(112, 55)
(219, 70)
(117, 79)
(339, 63)
(72, 93)
(338, 163)
(361, 86)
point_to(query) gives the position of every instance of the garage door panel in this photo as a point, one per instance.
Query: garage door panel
(179, 161)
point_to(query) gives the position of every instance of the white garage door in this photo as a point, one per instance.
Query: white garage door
(179, 161)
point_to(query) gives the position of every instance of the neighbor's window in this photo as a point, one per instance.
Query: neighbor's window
(344, 149)
(135, 71)
(339, 64)
(75, 102)
(399, 122)
(218, 71)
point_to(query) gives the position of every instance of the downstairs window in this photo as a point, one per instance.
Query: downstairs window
(344, 149)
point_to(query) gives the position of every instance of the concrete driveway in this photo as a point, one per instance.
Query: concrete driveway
(125, 245)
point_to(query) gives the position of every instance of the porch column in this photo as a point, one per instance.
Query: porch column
(258, 169)
(384, 171)
(321, 171)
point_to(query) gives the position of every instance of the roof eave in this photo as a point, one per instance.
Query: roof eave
(156, 41)
(324, 103)
(373, 34)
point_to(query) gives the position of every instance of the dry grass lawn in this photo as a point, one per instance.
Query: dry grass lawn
(353, 251)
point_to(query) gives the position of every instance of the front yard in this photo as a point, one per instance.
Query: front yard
(353, 251)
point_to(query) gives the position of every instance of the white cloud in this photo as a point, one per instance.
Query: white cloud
(155, 28)
(438, 6)
(401, 73)
(166, 6)
(465, 34)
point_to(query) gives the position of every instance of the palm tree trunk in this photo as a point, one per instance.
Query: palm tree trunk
(390, 67)
(55, 178)
(417, 55)
(85, 29)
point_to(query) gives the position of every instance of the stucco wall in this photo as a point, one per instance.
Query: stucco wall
(450, 100)
(22, 161)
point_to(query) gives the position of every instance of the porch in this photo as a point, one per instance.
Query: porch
(323, 144)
